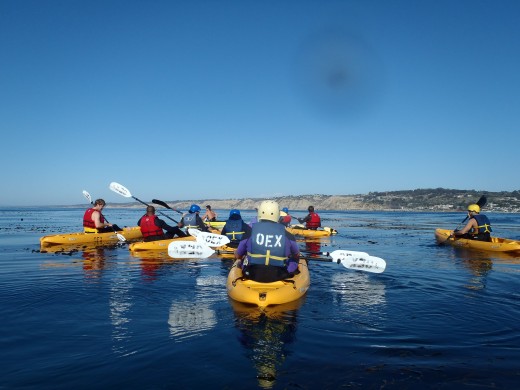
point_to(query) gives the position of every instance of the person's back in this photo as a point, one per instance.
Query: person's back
(152, 227)
(235, 228)
(312, 220)
(192, 220)
(148, 226)
(285, 218)
(478, 226)
(272, 253)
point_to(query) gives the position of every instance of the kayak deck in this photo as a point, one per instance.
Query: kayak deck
(497, 244)
(265, 294)
(130, 233)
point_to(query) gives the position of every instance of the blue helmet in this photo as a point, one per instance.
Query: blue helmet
(234, 212)
(194, 208)
(285, 210)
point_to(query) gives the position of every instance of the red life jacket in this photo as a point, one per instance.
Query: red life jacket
(314, 222)
(148, 227)
(87, 219)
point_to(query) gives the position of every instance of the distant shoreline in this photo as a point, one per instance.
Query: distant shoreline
(430, 200)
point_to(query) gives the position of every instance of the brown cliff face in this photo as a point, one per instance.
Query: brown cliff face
(413, 200)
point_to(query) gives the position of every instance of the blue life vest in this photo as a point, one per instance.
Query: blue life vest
(190, 221)
(268, 244)
(234, 230)
(484, 226)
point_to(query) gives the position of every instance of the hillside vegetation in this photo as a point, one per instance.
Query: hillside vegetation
(438, 199)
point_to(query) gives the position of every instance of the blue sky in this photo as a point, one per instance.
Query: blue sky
(196, 99)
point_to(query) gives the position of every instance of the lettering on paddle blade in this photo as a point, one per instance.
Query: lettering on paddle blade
(361, 263)
(189, 249)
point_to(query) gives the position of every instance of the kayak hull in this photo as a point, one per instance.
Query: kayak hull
(301, 231)
(266, 294)
(130, 233)
(159, 245)
(497, 244)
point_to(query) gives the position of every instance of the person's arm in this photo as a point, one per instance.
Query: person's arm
(163, 225)
(139, 222)
(96, 217)
(303, 220)
(201, 224)
(241, 250)
(471, 224)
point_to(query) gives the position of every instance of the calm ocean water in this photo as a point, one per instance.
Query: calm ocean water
(100, 318)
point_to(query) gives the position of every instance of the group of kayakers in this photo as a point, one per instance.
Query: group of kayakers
(266, 250)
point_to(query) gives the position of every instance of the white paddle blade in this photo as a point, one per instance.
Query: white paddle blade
(87, 195)
(210, 239)
(343, 254)
(120, 189)
(360, 261)
(120, 237)
(189, 250)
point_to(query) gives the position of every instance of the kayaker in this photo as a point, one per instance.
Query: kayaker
(478, 226)
(192, 219)
(271, 253)
(312, 220)
(210, 215)
(94, 221)
(235, 228)
(152, 227)
(285, 218)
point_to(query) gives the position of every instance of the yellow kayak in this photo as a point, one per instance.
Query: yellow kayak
(98, 239)
(497, 244)
(265, 294)
(159, 245)
(226, 252)
(300, 230)
(216, 224)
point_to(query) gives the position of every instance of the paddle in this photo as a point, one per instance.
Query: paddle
(123, 191)
(210, 239)
(120, 237)
(189, 250)
(359, 261)
(160, 202)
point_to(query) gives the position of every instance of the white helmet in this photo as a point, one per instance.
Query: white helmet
(269, 210)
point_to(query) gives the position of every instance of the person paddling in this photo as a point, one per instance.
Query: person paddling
(94, 221)
(235, 228)
(312, 220)
(270, 253)
(152, 227)
(285, 218)
(478, 226)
